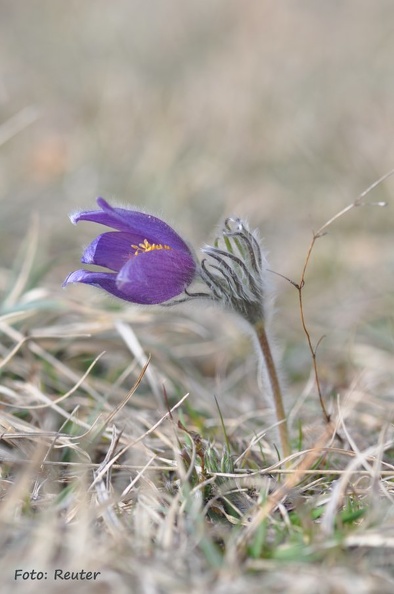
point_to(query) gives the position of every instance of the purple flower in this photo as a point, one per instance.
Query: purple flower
(147, 260)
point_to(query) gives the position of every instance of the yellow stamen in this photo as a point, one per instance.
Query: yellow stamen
(141, 248)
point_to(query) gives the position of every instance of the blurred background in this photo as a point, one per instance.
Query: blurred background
(279, 112)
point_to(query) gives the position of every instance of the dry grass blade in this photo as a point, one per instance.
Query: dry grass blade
(136, 441)
(17, 123)
(296, 475)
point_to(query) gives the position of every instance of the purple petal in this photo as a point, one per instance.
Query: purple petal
(111, 250)
(132, 221)
(156, 276)
(102, 280)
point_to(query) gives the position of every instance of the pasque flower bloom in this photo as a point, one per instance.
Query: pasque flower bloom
(147, 261)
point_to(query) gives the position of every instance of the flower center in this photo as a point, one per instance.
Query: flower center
(141, 248)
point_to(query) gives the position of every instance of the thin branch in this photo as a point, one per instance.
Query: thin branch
(322, 231)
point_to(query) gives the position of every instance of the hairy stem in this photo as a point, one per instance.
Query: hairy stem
(262, 338)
